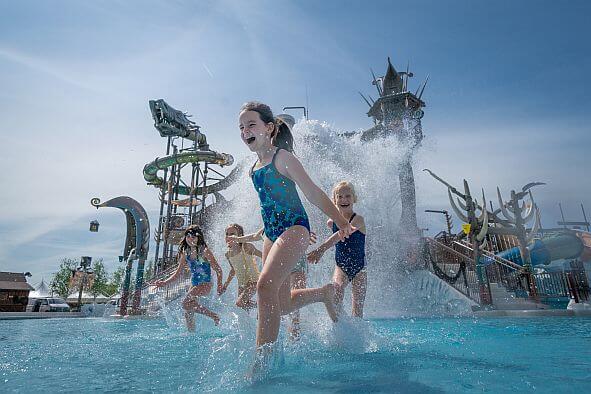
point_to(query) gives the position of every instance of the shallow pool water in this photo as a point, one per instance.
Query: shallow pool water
(394, 355)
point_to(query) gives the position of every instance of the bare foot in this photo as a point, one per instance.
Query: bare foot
(261, 365)
(329, 302)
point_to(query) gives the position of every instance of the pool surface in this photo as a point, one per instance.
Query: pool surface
(395, 355)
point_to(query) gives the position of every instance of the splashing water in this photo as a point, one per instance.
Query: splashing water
(372, 167)
(379, 355)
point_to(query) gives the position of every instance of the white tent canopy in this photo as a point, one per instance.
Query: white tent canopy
(41, 290)
(86, 297)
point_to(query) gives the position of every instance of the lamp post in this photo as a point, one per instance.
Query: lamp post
(85, 270)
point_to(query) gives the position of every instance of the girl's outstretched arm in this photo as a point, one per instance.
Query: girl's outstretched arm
(177, 272)
(315, 255)
(258, 236)
(289, 165)
(216, 267)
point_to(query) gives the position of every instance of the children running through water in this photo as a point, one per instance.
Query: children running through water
(297, 277)
(350, 253)
(241, 256)
(287, 230)
(194, 255)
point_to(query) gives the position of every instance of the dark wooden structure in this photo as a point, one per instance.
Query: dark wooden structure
(14, 292)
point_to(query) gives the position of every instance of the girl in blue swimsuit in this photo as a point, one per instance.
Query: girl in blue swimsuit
(194, 255)
(286, 226)
(350, 253)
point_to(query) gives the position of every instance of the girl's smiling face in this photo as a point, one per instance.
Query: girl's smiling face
(344, 199)
(192, 238)
(254, 132)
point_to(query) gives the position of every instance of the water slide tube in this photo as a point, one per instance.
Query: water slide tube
(543, 251)
(223, 159)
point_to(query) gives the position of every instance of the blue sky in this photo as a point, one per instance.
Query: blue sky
(507, 102)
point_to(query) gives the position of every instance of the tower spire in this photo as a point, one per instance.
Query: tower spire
(392, 82)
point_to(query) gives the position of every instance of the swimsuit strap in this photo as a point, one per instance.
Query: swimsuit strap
(200, 249)
(252, 169)
(335, 228)
(272, 162)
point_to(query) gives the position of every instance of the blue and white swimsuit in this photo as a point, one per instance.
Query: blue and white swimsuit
(281, 206)
(200, 270)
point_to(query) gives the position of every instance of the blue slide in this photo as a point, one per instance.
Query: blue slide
(553, 247)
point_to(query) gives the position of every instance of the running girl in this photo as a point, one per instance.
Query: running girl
(350, 253)
(241, 257)
(287, 229)
(194, 255)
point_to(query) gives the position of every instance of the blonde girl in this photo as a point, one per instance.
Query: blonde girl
(350, 253)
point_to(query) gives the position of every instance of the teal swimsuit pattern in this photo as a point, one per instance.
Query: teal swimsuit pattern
(281, 206)
(200, 270)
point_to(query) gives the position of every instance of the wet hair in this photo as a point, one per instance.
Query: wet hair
(195, 229)
(341, 185)
(281, 136)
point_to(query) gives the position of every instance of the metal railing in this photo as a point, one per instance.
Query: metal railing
(152, 296)
(452, 266)
(446, 259)
(552, 284)
(496, 243)
(499, 270)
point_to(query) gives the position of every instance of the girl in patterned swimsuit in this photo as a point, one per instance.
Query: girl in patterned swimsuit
(194, 255)
(287, 229)
(350, 253)
(241, 257)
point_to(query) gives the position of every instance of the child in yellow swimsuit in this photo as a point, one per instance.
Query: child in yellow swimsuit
(297, 277)
(241, 257)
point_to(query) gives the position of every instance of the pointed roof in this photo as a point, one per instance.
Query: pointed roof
(41, 290)
(392, 82)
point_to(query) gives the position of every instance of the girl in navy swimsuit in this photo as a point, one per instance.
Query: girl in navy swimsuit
(194, 255)
(286, 226)
(350, 253)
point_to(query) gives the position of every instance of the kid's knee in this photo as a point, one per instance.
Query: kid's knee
(266, 287)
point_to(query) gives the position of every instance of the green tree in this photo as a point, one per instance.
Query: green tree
(60, 282)
(114, 282)
(101, 279)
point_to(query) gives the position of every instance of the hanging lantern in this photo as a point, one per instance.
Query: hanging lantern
(94, 226)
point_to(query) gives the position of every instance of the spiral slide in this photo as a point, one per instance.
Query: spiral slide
(151, 169)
